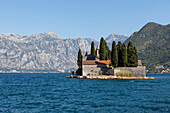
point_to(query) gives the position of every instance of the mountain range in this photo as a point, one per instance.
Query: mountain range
(44, 52)
(48, 52)
(153, 44)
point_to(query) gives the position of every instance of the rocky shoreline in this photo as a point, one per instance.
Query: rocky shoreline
(109, 77)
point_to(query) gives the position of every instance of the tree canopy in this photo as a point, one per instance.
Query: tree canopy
(119, 51)
(124, 55)
(114, 56)
(92, 48)
(132, 57)
(79, 58)
(120, 55)
(102, 49)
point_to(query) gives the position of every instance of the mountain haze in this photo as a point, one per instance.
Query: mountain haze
(45, 52)
(116, 38)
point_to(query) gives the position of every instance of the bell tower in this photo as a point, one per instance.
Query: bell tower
(98, 49)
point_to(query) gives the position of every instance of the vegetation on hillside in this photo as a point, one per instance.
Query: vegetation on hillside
(153, 44)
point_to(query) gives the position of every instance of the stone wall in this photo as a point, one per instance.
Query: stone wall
(94, 69)
(136, 71)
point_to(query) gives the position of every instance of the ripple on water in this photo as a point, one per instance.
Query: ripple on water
(55, 93)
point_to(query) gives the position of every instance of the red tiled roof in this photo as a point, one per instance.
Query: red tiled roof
(106, 62)
(94, 62)
(89, 62)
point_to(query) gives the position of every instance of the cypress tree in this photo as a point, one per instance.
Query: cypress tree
(106, 51)
(119, 51)
(92, 48)
(124, 55)
(109, 54)
(114, 56)
(136, 56)
(86, 53)
(102, 49)
(79, 58)
(96, 51)
(130, 55)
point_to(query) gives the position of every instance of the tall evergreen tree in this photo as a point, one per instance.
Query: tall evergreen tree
(86, 53)
(109, 54)
(79, 59)
(130, 55)
(106, 51)
(124, 55)
(102, 49)
(96, 51)
(92, 48)
(114, 56)
(119, 51)
(136, 56)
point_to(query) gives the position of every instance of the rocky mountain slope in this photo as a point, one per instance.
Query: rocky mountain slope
(45, 52)
(153, 44)
(115, 37)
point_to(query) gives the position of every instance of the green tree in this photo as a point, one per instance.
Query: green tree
(119, 51)
(79, 58)
(124, 55)
(107, 57)
(86, 53)
(130, 55)
(92, 48)
(109, 54)
(102, 49)
(136, 56)
(114, 56)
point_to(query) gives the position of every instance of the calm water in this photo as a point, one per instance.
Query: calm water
(20, 93)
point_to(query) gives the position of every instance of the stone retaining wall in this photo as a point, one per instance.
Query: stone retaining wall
(136, 71)
(94, 70)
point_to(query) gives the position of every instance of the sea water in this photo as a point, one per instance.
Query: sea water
(52, 92)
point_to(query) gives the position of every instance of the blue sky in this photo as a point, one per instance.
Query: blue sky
(81, 18)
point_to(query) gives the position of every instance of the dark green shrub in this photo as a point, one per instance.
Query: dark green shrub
(124, 73)
(110, 64)
(79, 71)
(100, 72)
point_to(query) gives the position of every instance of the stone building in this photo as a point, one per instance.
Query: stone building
(91, 65)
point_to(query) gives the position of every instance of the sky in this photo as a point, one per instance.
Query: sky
(81, 18)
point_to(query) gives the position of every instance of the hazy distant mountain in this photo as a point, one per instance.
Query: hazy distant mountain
(115, 37)
(153, 44)
(40, 52)
(45, 52)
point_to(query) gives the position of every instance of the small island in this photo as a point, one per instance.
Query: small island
(120, 63)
